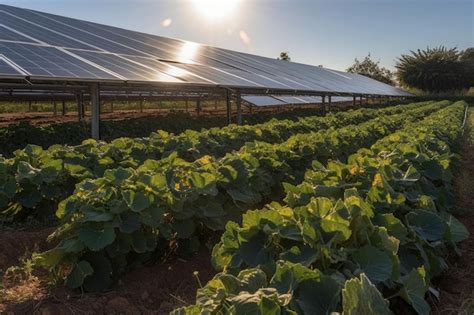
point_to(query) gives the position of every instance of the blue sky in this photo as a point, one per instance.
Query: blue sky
(327, 32)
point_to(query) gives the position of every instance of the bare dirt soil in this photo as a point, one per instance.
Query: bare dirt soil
(457, 285)
(151, 289)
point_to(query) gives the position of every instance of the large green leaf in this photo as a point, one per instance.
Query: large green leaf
(414, 290)
(137, 201)
(426, 224)
(97, 239)
(375, 263)
(360, 296)
(78, 274)
(457, 230)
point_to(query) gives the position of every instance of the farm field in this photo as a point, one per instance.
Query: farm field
(348, 212)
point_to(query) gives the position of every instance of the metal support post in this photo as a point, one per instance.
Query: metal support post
(239, 108)
(95, 109)
(229, 107)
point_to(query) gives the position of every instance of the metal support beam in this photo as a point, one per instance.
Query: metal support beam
(229, 107)
(80, 106)
(329, 103)
(324, 104)
(354, 101)
(63, 108)
(198, 107)
(239, 108)
(95, 109)
(360, 100)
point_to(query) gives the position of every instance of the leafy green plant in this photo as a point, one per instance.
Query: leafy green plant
(53, 173)
(383, 216)
(130, 213)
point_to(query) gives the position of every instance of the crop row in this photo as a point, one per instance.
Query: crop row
(36, 179)
(128, 214)
(352, 237)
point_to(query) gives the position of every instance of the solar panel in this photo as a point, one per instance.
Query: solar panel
(101, 51)
(218, 76)
(311, 99)
(263, 100)
(8, 70)
(290, 99)
(170, 69)
(39, 61)
(131, 71)
(39, 33)
(9, 35)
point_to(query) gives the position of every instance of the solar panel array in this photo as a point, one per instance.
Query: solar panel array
(46, 46)
(276, 100)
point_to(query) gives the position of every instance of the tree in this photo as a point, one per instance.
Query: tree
(467, 59)
(284, 55)
(372, 69)
(433, 70)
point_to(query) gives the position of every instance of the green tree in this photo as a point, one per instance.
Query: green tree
(467, 59)
(433, 70)
(372, 69)
(284, 55)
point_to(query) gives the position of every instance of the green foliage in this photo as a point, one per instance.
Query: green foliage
(433, 70)
(56, 171)
(17, 136)
(385, 220)
(360, 296)
(169, 201)
(372, 69)
(467, 60)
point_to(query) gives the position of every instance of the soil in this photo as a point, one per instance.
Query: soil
(457, 285)
(150, 289)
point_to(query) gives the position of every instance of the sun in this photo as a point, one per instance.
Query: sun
(216, 8)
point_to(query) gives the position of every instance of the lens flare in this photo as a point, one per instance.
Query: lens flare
(216, 8)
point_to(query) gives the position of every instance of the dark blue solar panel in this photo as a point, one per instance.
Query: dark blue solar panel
(40, 33)
(50, 62)
(6, 69)
(6, 34)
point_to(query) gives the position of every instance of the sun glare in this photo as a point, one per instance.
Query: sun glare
(216, 8)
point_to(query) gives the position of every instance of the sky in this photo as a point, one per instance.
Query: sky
(320, 32)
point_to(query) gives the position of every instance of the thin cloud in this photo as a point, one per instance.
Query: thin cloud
(166, 22)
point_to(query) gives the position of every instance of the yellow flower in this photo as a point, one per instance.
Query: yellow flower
(177, 186)
(354, 170)
(377, 180)
(148, 189)
(205, 160)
